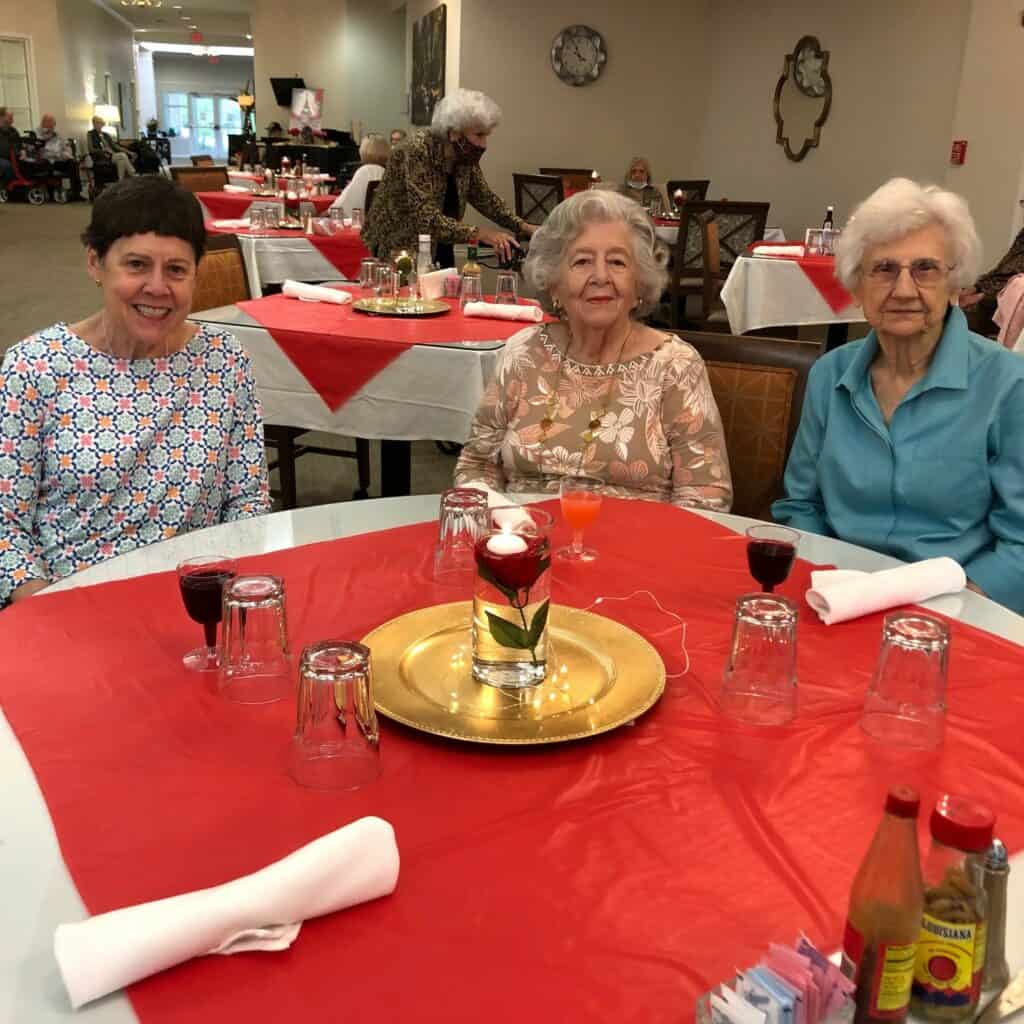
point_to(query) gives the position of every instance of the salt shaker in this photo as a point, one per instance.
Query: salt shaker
(995, 874)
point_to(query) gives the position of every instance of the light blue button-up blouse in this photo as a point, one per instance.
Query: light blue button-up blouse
(945, 477)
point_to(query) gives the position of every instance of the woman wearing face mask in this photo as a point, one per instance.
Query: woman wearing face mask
(638, 186)
(429, 180)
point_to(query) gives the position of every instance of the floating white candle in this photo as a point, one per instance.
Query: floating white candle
(506, 544)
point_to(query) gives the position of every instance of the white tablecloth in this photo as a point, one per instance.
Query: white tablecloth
(669, 233)
(429, 392)
(762, 292)
(271, 260)
(244, 180)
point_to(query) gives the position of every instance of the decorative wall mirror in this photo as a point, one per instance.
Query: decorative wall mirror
(803, 98)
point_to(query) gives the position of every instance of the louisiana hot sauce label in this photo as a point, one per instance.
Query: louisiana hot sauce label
(883, 972)
(946, 955)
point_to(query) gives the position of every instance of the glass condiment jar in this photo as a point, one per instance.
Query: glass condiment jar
(951, 947)
(884, 920)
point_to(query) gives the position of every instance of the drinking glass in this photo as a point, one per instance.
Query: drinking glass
(771, 551)
(462, 522)
(506, 288)
(580, 498)
(368, 273)
(470, 290)
(812, 242)
(357, 218)
(759, 683)
(201, 581)
(306, 209)
(452, 286)
(337, 738)
(829, 237)
(906, 701)
(511, 598)
(336, 213)
(386, 286)
(255, 661)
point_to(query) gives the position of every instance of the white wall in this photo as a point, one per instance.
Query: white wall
(374, 67)
(94, 43)
(38, 22)
(181, 72)
(145, 86)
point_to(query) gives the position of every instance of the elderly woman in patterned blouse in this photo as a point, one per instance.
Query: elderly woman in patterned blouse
(599, 393)
(131, 425)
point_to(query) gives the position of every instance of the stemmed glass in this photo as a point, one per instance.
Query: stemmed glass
(771, 551)
(581, 502)
(201, 581)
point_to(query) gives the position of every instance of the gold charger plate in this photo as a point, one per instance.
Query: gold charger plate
(601, 675)
(401, 307)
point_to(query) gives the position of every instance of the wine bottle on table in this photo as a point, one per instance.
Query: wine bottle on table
(829, 223)
(423, 258)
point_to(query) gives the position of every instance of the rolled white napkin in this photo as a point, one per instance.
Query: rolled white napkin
(432, 284)
(841, 594)
(779, 250)
(228, 222)
(499, 311)
(315, 293)
(236, 188)
(261, 911)
(510, 515)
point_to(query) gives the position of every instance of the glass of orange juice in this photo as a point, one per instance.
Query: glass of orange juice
(581, 502)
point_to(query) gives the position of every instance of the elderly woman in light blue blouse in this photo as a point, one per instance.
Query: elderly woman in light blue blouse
(131, 425)
(911, 440)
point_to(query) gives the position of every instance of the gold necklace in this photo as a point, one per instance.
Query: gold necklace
(596, 418)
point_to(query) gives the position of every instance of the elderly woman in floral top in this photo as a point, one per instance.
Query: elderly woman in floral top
(131, 425)
(599, 393)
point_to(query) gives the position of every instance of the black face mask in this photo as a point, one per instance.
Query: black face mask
(467, 152)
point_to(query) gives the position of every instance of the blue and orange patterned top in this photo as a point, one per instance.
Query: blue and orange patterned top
(100, 455)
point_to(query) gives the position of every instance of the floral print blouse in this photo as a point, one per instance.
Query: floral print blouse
(660, 434)
(100, 455)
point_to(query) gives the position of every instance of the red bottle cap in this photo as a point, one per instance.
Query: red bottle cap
(902, 802)
(963, 823)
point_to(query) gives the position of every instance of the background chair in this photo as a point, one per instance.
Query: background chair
(561, 172)
(221, 280)
(536, 195)
(692, 189)
(200, 179)
(202, 160)
(759, 386)
(574, 179)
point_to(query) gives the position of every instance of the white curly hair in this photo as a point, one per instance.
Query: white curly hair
(465, 110)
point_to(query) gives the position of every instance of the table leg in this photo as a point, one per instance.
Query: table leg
(286, 466)
(837, 335)
(395, 469)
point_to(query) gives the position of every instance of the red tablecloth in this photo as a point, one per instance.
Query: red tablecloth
(821, 272)
(339, 350)
(609, 880)
(234, 204)
(344, 250)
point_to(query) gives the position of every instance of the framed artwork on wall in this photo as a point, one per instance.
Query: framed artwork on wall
(428, 63)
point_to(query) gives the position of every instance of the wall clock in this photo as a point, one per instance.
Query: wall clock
(578, 55)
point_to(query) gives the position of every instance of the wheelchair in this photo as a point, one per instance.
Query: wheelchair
(27, 182)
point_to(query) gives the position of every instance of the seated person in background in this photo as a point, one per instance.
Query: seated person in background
(911, 440)
(637, 185)
(599, 393)
(132, 425)
(103, 148)
(275, 131)
(398, 136)
(982, 295)
(10, 143)
(57, 151)
(429, 180)
(374, 152)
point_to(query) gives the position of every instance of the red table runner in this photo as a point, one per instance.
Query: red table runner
(344, 250)
(820, 271)
(606, 880)
(234, 204)
(339, 350)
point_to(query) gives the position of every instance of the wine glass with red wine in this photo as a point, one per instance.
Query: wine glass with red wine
(201, 581)
(770, 554)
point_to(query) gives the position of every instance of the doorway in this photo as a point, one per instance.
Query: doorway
(201, 123)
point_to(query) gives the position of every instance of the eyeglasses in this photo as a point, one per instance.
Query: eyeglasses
(926, 273)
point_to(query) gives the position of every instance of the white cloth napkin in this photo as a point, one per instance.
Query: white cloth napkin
(510, 515)
(261, 911)
(315, 293)
(432, 284)
(841, 594)
(238, 222)
(499, 311)
(236, 188)
(778, 250)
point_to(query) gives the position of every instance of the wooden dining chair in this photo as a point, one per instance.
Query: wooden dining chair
(200, 179)
(221, 280)
(536, 195)
(561, 172)
(759, 386)
(692, 188)
(202, 160)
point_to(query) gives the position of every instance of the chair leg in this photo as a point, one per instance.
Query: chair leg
(363, 468)
(285, 442)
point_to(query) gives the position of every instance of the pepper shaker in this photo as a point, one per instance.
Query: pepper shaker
(995, 874)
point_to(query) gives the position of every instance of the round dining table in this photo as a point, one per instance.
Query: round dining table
(37, 889)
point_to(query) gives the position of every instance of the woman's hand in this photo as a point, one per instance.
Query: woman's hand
(501, 241)
(28, 589)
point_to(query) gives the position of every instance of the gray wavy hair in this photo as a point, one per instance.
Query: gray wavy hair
(899, 208)
(375, 149)
(465, 110)
(567, 221)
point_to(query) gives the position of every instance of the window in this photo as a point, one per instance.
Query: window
(176, 114)
(15, 93)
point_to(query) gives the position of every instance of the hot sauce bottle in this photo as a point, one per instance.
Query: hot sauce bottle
(884, 920)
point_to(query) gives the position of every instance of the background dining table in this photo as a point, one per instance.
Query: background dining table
(219, 205)
(610, 879)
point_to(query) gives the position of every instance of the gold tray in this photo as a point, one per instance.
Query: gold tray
(601, 675)
(401, 307)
